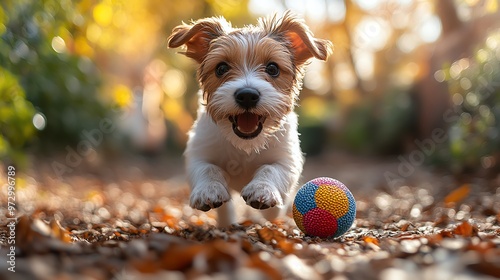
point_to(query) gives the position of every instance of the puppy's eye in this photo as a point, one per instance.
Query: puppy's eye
(272, 69)
(221, 69)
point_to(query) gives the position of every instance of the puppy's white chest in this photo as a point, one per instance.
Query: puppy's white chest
(240, 167)
(208, 142)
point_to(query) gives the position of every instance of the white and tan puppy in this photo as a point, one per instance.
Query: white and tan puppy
(245, 136)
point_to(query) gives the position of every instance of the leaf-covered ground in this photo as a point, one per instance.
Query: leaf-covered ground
(130, 220)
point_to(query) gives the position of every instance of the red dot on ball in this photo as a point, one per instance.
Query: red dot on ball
(319, 222)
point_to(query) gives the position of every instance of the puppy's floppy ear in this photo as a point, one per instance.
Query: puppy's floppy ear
(197, 36)
(301, 41)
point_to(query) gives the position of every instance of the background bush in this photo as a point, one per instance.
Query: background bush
(62, 86)
(16, 113)
(474, 134)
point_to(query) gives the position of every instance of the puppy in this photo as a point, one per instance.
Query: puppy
(245, 136)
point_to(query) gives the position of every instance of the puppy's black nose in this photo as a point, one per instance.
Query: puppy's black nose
(247, 97)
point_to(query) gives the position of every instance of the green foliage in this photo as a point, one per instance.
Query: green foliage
(16, 113)
(60, 85)
(474, 128)
(378, 125)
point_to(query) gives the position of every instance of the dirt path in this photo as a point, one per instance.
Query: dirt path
(128, 219)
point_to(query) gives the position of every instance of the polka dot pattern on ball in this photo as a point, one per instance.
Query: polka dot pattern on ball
(324, 207)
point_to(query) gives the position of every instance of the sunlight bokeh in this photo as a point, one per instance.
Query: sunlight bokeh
(95, 59)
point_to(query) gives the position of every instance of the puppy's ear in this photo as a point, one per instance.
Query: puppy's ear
(301, 41)
(197, 36)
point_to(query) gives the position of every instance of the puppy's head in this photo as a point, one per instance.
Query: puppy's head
(250, 77)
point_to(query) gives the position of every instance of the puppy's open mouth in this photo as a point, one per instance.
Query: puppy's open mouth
(247, 125)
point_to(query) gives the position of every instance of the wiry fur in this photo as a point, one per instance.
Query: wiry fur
(267, 167)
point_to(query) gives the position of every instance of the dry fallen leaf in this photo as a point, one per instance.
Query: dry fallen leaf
(405, 227)
(482, 247)
(286, 246)
(262, 262)
(59, 232)
(465, 229)
(204, 258)
(179, 257)
(173, 242)
(372, 240)
(36, 236)
(269, 235)
(457, 195)
(146, 265)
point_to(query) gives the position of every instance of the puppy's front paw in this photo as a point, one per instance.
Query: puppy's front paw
(261, 195)
(210, 196)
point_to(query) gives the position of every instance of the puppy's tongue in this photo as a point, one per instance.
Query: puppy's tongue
(247, 122)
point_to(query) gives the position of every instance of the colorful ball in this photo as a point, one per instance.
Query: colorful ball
(324, 207)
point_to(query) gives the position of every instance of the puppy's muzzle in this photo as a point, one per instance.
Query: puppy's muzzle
(247, 125)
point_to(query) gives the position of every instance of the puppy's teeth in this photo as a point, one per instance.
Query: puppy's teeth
(254, 129)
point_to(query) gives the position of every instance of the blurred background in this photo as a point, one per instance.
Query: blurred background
(91, 80)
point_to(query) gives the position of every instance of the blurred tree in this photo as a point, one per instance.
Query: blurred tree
(381, 74)
(458, 91)
(371, 72)
(459, 39)
(474, 120)
(61, 85)
(78, 59)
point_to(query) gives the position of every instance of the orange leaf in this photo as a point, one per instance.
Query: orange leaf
(435, 238)
(158, 209)
(179, 257)
(146, 265)
(247, 246)
(465, 229)
(405, 226)
(286, 246)
(371, 240)
(483, 247)
(446, 234)
(59, 232)
(268, 235)
(218, 253)
(262, 262)
(457, 195)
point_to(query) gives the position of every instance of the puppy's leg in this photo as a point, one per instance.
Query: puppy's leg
(208, 186)
(273, 213)
(226, 215)
(270, 186)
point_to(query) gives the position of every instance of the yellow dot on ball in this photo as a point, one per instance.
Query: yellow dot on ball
(297, 216)
(332, 199)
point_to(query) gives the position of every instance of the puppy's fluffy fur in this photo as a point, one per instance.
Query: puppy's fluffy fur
(245, 136)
